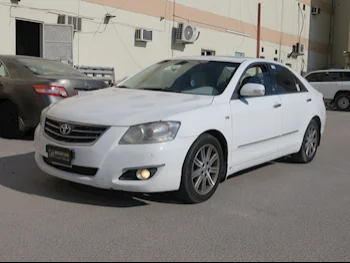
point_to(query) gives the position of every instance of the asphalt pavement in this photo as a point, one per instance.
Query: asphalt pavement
(278, 212)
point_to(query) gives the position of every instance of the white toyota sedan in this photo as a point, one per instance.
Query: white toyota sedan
(182, 125)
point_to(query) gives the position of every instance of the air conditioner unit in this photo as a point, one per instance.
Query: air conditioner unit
(298, 49)
(186, 34)
(315, 11)
(143, 35)
(70, 20)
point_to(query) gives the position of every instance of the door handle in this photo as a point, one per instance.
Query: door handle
(277, 105)
(308, 100)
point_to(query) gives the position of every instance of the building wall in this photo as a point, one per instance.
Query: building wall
(284, 23)
(341, 32)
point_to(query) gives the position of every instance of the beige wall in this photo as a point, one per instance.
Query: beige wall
(113, 45)
(341, 32)
(277, 15)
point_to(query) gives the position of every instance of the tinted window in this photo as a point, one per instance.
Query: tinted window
(3, 71)
(49, 67)
(185, 76)
(346, 76)
(259, 74)
(331, 77)
(285, 80)
(314, 77)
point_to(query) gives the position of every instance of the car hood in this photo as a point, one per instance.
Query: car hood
(125, 107)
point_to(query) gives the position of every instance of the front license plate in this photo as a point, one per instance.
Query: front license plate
(60, 156)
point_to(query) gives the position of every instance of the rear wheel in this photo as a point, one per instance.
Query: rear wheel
(202, 170)
(310, 144)
(9, 121)
(342, 101)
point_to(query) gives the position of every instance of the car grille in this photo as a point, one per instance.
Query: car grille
(79, 133)
(86, 171)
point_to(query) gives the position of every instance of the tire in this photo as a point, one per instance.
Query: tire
(331, 105)
(199, 183)
(9, 123)
(342, 102)
(311, 139)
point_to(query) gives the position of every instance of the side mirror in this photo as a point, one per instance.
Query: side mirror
(252, 90)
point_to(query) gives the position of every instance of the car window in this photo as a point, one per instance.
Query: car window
(314, 77)
(284, 79)
(3, 71)
(331, 77)
(45, 67)
(199, 77)
(258, 74)
(346, 76)
(300, 85)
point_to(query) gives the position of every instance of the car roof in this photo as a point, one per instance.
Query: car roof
(201, 58)
(18, 56)
(328, 70)
(223, 59)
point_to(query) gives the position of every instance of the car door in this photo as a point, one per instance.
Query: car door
(296, 101)
(315, 79)
(332, 82)
(256, 121)
(345, 80)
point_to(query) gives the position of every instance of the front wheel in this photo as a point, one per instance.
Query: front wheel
(310, 144)
(202, 170)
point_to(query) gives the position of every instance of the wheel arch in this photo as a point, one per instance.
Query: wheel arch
(2, 100)
(224, 146)
(10, 100)
(319, 123)
(339, 92)
(6, 98)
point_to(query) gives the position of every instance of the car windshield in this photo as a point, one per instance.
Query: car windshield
(185, 76)
(49, 68)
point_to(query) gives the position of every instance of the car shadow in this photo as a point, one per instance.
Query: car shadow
(246, 171)
(27, 136)
(20, 173)
(287, 160)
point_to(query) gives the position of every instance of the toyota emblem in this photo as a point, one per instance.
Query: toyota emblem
(65, 129)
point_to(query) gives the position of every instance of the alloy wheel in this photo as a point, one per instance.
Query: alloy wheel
(205, 169)
(311, 141)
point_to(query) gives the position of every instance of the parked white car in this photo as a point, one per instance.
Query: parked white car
(182, 125)
(334, 84)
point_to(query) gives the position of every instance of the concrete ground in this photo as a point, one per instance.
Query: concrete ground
(279, 212)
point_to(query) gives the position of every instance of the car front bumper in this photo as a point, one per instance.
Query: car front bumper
(111, 160)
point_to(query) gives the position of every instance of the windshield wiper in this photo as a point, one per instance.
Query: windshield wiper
(122, 87)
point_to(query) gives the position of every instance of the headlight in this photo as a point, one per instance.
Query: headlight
(151, 133)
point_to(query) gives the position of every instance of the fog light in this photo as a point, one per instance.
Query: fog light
(140, 174)
(143, 174)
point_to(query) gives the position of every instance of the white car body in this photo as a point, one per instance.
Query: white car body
(334, 84)
(252, 130)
